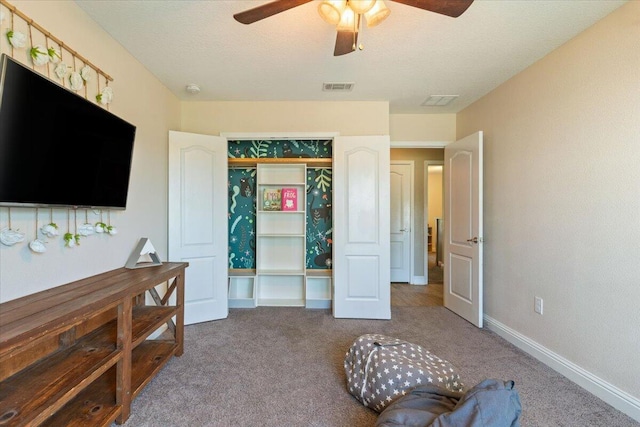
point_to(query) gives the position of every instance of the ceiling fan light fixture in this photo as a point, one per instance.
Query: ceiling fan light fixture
(331, 10)
(377, 14)
(347, 20)
(361, 6)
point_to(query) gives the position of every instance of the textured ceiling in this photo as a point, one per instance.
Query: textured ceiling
(411, 55)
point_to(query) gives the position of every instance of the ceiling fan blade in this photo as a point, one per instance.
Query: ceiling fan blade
(453, 8)
(345, 42)
(266, 10)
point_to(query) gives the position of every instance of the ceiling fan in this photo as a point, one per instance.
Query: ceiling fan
(347, 14)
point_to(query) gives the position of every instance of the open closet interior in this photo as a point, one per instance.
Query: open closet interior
(280, 223)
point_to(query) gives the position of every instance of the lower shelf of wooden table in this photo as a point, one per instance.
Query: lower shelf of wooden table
(96, 405)
(59, 380)
(147, 360)
(31, 395)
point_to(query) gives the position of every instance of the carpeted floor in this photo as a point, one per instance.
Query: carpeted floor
(283, 367)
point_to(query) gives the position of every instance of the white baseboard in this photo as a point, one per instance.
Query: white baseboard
(418, 280)
(611, 394)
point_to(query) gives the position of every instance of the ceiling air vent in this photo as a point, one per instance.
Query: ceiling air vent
(337, 87)
(438, 100)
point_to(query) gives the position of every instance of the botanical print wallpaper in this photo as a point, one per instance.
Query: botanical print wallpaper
(280, 149)
(242, 200)
(242, 218)
(319, 224)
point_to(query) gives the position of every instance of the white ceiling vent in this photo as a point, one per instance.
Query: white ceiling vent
(337, 87)
(439, 100)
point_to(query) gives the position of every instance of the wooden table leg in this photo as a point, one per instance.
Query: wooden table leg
(123, 370)
(179, 331)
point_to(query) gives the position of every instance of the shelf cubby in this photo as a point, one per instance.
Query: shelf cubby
(279, 252)
(281, 289)
(242, 288)
(319, 289)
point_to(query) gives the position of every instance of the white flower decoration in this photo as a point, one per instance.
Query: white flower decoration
(100, 227)
(105, 96)
(37, 246)
(54, 55)
(85, 73)
(39, 55)
(76, 81)
(61, 70)
(17, 39)
(112, 230)
(86, 230)
(10, 237)
(50, 230)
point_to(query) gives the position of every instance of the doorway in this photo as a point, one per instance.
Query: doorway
(418, 225)
(433, 218)
(416, 293)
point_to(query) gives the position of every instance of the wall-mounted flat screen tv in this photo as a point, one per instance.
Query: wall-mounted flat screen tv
(56, 147)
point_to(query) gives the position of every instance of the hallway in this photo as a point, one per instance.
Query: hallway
(405, 295)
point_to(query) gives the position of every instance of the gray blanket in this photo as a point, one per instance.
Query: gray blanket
(491, 403)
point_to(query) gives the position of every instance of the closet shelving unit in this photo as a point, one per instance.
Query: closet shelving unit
(280, 277)
(280, 238)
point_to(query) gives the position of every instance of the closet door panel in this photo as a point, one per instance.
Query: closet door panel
(361, 265)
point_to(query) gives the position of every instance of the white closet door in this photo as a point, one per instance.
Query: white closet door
(361, 237)
(198, 221)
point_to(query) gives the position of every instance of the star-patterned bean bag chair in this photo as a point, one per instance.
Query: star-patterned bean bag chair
(381, 369)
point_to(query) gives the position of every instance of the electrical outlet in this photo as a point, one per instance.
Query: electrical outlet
(538, 305)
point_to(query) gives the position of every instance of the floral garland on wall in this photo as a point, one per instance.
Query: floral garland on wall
(50, 229)
(50, 56)
(31, 44)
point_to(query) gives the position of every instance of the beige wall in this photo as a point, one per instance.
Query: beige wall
(347, 118)
(138, 98)
(418, 156)
(423, 127)
(562, 199)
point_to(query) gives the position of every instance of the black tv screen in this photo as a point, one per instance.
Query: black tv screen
(56, 147)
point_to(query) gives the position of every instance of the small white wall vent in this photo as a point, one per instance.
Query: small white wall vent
(439, 100)
(337, 87)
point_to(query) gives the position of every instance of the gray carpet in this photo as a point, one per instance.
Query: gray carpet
(283, 367)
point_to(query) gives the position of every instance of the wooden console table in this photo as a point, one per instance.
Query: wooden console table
(78, 354)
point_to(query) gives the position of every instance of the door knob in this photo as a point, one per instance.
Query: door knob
(474, 240)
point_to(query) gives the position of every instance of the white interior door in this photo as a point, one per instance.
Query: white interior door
(198, 221)
(361, 267)
(401, 188)
(463, 228)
